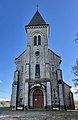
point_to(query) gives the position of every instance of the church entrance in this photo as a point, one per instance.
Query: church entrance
(38, 99)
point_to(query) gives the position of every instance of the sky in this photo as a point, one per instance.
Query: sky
(62, 15)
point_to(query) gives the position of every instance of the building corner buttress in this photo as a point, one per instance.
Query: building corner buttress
(14, 91)
(62, 105)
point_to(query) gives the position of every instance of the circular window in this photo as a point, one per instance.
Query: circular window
(37, 53)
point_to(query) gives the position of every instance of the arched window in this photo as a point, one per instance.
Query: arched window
(22, 68)
(39, 40)
(54, 92)
(52, 68)
(35, 40)
(37, 70)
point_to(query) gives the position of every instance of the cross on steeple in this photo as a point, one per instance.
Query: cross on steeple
(37, 6)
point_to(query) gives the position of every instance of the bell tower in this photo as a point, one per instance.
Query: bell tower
(37, 29)
(37, 46)
(38, 68)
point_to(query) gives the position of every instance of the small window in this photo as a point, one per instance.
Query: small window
(22, 68)
(37, 70)
(53, 75)
(39, 40)
(37, 53)
(35, 40)
(52, 68)
(54, 92)
(21, 100)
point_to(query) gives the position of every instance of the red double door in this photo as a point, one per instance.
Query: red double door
(38, 99)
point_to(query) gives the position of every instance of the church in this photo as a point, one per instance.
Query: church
(38, 82)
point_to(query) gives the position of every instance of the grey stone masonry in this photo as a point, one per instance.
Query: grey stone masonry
(61, 89)
(14, 91)
(49, 95)
(26, 95)
(38, 82)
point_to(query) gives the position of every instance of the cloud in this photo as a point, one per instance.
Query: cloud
(5, 99)
(1, 81)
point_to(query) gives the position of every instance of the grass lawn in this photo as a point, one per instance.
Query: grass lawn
(59, 115)
(48, 111)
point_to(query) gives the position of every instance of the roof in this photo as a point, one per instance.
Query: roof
(37, 20)
(20, 55)
(54, 53)
(67, 85)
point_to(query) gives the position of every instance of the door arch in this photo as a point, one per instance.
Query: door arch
(38, 99)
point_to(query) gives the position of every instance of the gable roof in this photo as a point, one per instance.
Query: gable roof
(37, 19)
(54, 53)
(20, 55)
(67, 85)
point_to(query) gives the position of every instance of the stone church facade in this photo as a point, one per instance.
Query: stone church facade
(38, 82)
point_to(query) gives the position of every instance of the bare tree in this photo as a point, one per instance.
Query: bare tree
(76, 40)
(75, 71)
(75, 68)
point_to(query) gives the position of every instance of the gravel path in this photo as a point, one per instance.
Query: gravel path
(38, 115)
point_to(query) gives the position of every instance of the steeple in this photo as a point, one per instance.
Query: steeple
(37, 20)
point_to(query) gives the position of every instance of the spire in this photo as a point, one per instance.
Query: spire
(37, 6)
(37, 19)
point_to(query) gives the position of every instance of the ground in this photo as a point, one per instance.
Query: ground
(38, 115)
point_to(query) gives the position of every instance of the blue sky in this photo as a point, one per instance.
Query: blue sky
(62, 15)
